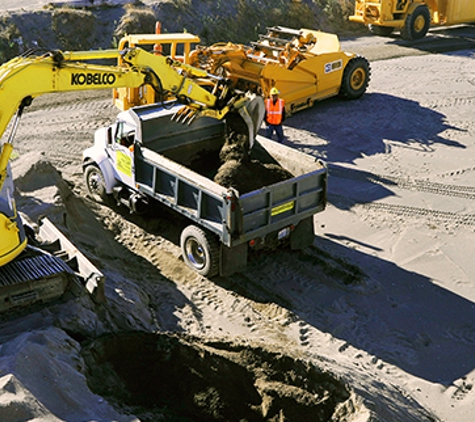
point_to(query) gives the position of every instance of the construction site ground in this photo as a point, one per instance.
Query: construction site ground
(372, 323)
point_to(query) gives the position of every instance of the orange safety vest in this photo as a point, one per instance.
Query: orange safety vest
(274, 111)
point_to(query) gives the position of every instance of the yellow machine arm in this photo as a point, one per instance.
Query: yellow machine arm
(25, 78)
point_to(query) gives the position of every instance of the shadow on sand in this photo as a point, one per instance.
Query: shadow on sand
(368, 126)
(403, 318)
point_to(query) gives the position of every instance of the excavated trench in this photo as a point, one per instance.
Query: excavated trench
(179, 378)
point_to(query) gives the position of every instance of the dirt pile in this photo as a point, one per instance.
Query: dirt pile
(84, 25)
(177, 377)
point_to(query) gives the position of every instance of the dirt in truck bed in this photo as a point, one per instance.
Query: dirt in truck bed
(239, 171)
(247, 175)
(234, 166)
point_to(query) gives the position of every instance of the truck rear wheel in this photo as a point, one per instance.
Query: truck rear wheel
(95, 184)
(200, 251)
(355, 78)
(416, 24)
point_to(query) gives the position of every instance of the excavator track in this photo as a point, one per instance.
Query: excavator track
(33, 268)
(47, 272)
(31, 279)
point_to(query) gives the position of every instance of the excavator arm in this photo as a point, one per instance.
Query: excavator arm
(203, 93)
(24, 78)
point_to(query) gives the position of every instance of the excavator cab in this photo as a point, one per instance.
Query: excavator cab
(13, 240)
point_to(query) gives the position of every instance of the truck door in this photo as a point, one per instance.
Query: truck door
(123, 153)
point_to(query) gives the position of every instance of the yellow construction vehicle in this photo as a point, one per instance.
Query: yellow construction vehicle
(54, 72)
(177, 46)
(305, 65)
(411, 17)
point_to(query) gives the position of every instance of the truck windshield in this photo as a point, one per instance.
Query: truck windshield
(125, 134)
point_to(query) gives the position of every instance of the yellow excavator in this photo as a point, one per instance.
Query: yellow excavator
(29, 273)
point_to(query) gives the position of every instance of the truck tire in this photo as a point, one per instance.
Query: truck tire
(200, 251)
(383, 31)
(416, 24)
(355, 78)
(96, 187)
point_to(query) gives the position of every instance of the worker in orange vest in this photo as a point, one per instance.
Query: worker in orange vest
(275, 115)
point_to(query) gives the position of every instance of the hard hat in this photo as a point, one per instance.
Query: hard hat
(274, 91)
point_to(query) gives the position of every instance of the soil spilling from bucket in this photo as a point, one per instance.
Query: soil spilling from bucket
(239, 171)
(179, 378)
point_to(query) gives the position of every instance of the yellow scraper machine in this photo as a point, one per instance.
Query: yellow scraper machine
(305, 65)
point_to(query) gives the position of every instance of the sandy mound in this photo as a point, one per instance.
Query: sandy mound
(43, 380)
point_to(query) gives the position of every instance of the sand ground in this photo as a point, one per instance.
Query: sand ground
(401, 210)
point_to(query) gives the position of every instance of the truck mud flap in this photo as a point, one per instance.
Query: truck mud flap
(233, 259)
(303, 235)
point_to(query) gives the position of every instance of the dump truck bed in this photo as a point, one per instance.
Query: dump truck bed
(177, 168)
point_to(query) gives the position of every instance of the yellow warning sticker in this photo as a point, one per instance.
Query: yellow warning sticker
(124, 163)
(282, 208)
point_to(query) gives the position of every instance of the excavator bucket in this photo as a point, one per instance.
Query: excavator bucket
(253, 115)
(245, 115)
(246, 118)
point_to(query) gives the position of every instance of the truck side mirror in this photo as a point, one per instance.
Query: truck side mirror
(109, 135)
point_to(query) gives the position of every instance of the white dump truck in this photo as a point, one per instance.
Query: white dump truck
(145, 154)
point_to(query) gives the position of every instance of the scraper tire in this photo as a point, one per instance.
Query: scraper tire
(417, 24)
(355, 78)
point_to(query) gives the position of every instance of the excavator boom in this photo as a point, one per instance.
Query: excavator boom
(72, 71)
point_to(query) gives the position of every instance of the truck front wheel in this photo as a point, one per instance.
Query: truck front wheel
(416, 24)
(200, 251)
(355, 78)
(95, 184)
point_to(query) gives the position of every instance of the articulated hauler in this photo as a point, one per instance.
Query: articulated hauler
(412, 18)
